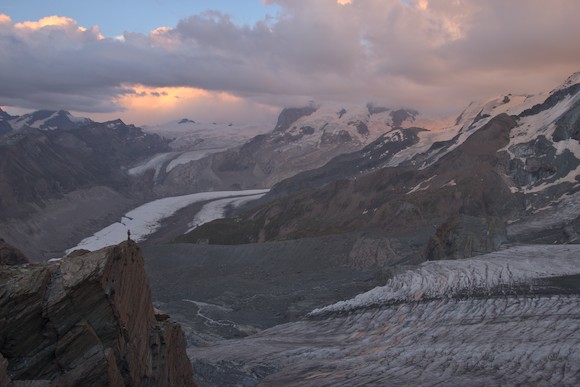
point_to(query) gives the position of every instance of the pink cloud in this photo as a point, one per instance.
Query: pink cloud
(433, 55)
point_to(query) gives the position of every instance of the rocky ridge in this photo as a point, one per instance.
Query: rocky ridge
(87, 320)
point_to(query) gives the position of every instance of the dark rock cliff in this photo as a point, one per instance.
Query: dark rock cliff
(87, 320)
(290, 115)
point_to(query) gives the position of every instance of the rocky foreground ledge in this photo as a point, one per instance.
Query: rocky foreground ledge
(87, 320)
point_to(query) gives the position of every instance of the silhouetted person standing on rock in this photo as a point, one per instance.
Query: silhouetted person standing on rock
(128, 235)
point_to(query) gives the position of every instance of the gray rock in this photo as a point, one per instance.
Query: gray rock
(568, 126)
(290, 115)
(466, 236)
(88, 320)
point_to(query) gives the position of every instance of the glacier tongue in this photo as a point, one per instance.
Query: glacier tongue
(488, 339)
(440, 279)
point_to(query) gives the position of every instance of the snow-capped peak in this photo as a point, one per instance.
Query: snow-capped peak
(4, 115)
(570, 81)
(185, 121)
(114, 124)
(48, 120)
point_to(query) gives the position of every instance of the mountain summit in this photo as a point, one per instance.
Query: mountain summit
(48, 120)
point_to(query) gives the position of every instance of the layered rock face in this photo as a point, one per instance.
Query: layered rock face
(88, 320)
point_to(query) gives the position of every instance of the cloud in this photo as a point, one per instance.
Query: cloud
(47, 22)
(145, 105)
(432, 55)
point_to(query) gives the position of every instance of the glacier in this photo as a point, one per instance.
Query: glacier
(506, 318)
(144, 220)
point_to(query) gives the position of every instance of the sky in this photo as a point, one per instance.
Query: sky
(153, 61)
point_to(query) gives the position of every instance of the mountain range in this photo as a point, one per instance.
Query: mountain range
(302, 139)
(390, 248)
(503, 162)
(472, 230)
(54, 163)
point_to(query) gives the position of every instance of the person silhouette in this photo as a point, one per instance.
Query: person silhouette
(128, 235)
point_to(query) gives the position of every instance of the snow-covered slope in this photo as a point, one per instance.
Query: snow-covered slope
(544, 148)
(217, 209)
(302, 139)
(538, 118)
(191, 135)
(192, 141)
(431, 326)
(357, 124)
(163, 163)
(48, 120)
(472, 118)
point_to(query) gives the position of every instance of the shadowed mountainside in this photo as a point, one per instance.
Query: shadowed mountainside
(395, 201)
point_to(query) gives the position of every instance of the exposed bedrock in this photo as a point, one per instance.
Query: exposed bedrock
(87, 320)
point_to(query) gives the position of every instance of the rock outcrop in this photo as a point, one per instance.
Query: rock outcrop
(288, 116)
(87, 320)
(463, 236)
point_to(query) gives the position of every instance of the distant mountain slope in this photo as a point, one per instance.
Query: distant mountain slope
(421, 148)
(303, 139)
(58, 185)
(397, 200)
(503, 163)
(192, 141)
(189, 135)
(5, 126)
(48, 120)
(37, 165)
